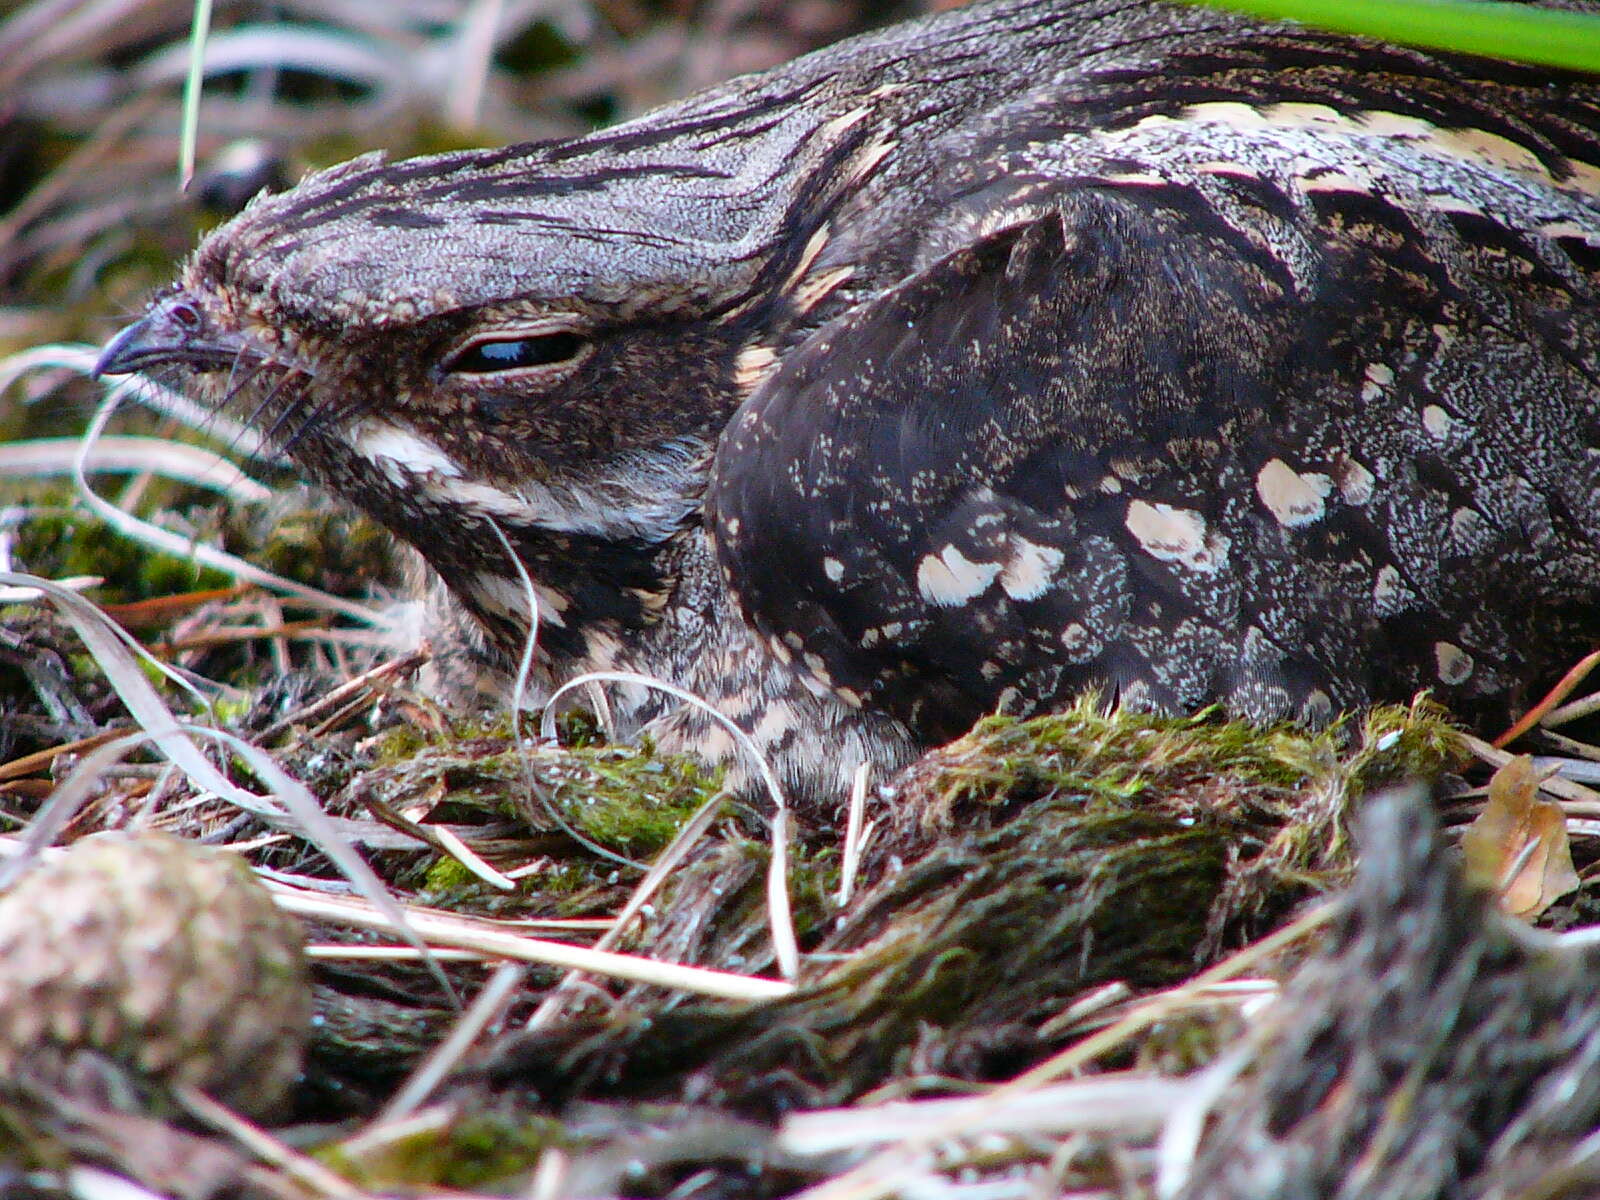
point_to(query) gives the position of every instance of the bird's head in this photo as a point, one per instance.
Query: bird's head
(518, 332)
(522, 336)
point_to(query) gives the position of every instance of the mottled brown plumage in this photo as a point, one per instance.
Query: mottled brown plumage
(1037, 346)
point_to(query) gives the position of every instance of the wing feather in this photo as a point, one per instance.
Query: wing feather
(1116, 446)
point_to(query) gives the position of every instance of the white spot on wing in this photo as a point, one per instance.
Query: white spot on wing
(882, 633)
(1389, 592)
(950, 577)
(1353, 182)
(1030, 570)
(1317, 708)
(833, 569)
(1294, 499)
(1466, 525)
(1454, 663)
(1176, 535)
(1379, 377)
(1354, 482)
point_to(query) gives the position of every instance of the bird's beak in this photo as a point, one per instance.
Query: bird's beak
(129, 350)
(173, 331)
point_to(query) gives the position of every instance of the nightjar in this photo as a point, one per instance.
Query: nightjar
(1033, 347)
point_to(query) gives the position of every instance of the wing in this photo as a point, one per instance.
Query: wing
(1124, 445)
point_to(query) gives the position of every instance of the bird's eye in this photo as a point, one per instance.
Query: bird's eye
(484, 356)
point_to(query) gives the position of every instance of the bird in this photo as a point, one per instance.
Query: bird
(1025, 351)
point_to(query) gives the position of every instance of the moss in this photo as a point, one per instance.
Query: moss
(630, 800)
(1402, 743)
(445, 876)
(484, 1147)
(1014, 870)
(61, 542)
(474, 1149)
(1120, 756)
(633, 801)
(398, 744)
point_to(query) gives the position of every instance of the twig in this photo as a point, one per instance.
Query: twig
(303, 1170)
(1569, 681)
(40, 760)
(367, 681)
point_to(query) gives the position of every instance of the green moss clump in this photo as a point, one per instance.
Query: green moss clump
(1014, 869)
(398, 744)
(534, 800)
(633, 801)
(478, 1148)
(1120, 756)
(447, 875)
(62, 542)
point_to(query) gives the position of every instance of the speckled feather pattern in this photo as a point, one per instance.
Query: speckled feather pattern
(1032, 347)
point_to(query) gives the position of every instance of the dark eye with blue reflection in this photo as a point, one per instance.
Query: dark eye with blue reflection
(513, 353)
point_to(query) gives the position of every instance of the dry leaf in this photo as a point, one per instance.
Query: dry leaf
(1518, 845)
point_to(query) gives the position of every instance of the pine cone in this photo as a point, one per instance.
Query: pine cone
(148, 954)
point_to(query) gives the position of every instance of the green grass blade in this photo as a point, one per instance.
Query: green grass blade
(199, 29)
(1540, 36)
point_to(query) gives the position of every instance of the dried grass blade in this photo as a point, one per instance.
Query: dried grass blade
(447, 931)
(780, 917)
(1543, 711)
(194, 80)
(41, 759)
(451, 844)
(118, 452)
(850, 859)
(160, 610)
(321, 830)
(114, 649)
(1130, 1103)
(307, 1172)
(783, 939)
(27, 595)
(351, 689)
(1577, 800)
(64, 802)
(885, 1172)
